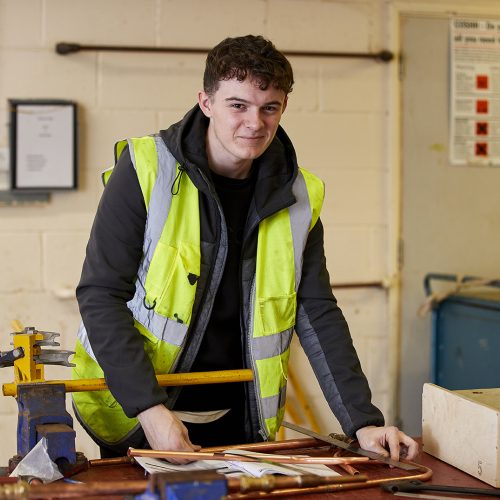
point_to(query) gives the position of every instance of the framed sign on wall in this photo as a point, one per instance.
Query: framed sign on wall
(43, 144)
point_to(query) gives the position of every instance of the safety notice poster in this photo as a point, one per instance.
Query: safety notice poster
(475, 92)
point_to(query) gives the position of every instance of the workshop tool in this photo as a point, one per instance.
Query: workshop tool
(164, 380)
(42, 403)
(350, 447)
(42, 407)
(7, 358)
(415, 486)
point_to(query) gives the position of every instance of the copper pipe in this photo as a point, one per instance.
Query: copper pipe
(286, 444)
(278, 459)
(266, 483)
(97, 462)
(425, 475)
(348, 468)
(88, 489)
(95, 488)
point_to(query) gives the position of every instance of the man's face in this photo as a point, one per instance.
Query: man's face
(243, 122)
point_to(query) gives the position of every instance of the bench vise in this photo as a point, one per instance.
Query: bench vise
(41, 404)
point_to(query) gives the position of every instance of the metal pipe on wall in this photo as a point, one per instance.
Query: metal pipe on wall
(65, 48)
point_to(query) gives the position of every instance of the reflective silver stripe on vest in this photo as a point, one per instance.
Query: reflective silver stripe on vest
(159, 205)
(300, 218)
(270, 404)
(274, 345)
(84, 340)
(271, 345)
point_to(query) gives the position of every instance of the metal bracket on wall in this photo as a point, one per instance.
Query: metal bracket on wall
(65, 48)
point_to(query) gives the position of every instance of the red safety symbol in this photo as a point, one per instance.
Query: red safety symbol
(482, 106)
(481, 128)
(481, 149)
(482, 82)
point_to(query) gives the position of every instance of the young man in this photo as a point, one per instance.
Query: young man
(206, 254)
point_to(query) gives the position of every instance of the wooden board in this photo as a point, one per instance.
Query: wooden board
(462, 429)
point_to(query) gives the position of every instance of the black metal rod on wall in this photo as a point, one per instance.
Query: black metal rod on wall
(360, 284)
(65, 48)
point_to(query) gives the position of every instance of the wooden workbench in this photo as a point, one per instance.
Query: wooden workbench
(442, 474)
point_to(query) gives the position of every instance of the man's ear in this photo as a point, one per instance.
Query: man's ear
(285, 102)
(204, 103)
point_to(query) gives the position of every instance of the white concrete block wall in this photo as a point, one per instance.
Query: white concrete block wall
(336, 117)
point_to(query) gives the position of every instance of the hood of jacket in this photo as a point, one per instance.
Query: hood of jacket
(276, 167)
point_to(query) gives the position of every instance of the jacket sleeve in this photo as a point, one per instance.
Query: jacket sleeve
(325, 338)
(113, 255)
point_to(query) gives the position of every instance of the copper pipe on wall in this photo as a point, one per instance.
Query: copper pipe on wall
(65, 48)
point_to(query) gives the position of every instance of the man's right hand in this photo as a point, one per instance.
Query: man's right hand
(164, 431)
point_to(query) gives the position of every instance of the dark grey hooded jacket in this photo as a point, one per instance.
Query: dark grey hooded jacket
(115, 250)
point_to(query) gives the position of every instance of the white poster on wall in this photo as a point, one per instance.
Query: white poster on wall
(475, 92)
(43, 143)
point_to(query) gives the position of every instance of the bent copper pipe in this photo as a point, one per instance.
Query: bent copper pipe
(238, 486)
(424, 475)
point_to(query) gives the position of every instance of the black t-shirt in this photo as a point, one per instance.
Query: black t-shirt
(221, 348)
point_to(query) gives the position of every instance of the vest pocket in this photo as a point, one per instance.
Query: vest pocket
(172, 279)
(276, 314)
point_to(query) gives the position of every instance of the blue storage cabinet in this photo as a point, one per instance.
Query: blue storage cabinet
(466, 338)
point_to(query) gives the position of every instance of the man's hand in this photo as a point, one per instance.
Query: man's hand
(387, 441)
(164, 431)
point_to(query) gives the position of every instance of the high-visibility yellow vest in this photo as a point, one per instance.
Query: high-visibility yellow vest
(167, 280)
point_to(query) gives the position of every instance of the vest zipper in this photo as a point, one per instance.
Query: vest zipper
(262, 430)
(248, 333)
(182, 363)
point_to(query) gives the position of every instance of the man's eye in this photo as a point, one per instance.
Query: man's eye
(237, 105)
(271, 109)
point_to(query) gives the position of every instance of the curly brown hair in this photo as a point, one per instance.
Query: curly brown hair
(247, 56)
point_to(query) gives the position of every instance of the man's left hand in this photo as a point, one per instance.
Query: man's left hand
(387, 441)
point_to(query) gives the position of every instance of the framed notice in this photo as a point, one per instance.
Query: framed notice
(43, 144)
(475, 92)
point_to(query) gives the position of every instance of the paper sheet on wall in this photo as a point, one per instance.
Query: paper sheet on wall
(45, 146)
(475, 92)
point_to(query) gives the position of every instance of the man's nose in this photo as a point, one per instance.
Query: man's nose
(254, 120)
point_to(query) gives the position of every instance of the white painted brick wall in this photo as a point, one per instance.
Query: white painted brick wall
(196, 23)
(336, 118)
